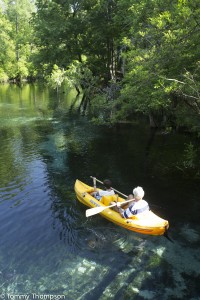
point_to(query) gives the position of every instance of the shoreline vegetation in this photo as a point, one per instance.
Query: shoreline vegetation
(128, 59)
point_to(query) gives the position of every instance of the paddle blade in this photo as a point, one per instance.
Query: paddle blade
(93, 211)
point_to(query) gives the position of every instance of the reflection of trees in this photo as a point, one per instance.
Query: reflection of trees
(16, 148)
(105, 152)
(9, 167)
(18, 135)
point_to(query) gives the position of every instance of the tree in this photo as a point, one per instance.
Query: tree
(7, 49)
(19, 13)
(163, 46)
(68, 30)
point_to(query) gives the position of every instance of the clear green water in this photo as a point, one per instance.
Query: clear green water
(48, 249)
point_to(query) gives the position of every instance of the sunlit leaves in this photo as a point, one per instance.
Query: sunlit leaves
(162, 47)
(162, 20)
(7, 49)
(150, 47)
(16, 39)
(57, 77)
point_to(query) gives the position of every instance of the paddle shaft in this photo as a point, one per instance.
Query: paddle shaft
(96, 210)
(95, 183)
(119, 191)
(111, 187)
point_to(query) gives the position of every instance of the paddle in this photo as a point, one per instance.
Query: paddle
(111, 188)
(94, 183)
(96, 210)
(154, 205)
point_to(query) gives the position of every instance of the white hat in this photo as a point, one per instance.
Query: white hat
(138, 192)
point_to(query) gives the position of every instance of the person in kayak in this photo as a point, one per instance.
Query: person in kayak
(107, 192)
(137, 206)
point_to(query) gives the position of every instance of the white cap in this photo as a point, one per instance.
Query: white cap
(138, 192)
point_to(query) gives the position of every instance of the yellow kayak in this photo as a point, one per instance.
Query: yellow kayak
(146, 222)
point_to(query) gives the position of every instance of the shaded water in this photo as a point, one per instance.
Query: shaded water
(48, 247)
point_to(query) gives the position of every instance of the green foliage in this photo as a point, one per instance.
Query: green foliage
(16, 39)
(65, 31)
(150, 48)
(57, 77)
(3, 76)
(103, 105)
(189, 164)
(7, 49)
(76, 73)
(190, 156)
(161, 45)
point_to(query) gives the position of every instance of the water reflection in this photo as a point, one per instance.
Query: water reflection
(47, 244)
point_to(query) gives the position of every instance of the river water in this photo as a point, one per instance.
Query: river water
(48, 249)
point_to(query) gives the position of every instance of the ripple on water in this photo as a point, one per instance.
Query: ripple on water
(13, 189)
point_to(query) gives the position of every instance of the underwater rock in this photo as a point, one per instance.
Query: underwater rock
(97, 240)
(92, 244)
(81, 270)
